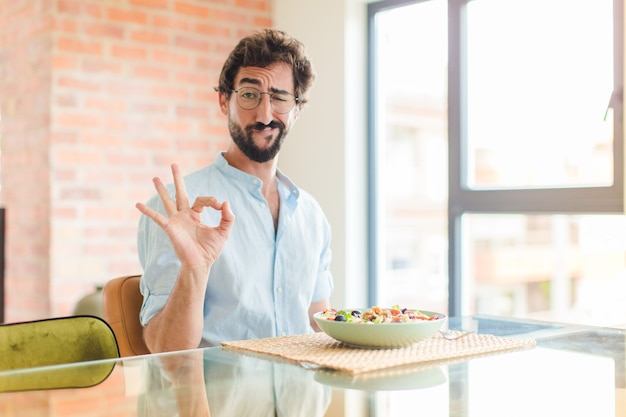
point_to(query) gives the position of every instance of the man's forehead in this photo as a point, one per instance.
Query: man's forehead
(278, 73)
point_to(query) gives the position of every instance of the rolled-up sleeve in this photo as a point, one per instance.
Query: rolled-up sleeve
(324, 285)
(159, 263)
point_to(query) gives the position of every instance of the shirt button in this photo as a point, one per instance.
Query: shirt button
(255, 181)
(262, 205)
(279, 289)
(284, 334)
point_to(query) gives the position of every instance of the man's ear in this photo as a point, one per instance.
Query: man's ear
(223, 99)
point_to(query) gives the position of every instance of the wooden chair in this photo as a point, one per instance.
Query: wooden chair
(121, 303)
(32, 350)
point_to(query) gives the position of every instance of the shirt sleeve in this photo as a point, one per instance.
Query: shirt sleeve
(324, 285)
(159, 263)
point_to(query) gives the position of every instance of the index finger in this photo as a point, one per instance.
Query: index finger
(182, 200)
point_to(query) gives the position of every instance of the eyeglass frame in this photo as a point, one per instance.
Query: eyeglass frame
(296, 100)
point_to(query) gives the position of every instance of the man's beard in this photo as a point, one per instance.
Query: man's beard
(245, 141)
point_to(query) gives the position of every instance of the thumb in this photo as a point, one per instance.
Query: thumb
(228, 217)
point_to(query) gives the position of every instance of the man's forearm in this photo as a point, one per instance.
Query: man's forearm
(179, 324)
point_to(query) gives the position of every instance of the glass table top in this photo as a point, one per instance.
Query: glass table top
(573, 370)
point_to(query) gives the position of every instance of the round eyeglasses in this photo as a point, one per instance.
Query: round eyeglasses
(249, 98)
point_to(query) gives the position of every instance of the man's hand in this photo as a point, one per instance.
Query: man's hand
(196, 245)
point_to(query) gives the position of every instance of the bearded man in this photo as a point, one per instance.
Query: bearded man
(210, 278)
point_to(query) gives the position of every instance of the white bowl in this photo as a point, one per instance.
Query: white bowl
(381, 335)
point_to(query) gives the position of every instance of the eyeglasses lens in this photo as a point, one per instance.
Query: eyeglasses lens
(249, 98)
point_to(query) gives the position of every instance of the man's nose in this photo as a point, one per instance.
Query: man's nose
(264, 110)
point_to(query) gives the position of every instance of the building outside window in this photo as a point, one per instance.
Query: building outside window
(496, 153)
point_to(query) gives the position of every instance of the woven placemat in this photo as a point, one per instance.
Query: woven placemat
(320, 349)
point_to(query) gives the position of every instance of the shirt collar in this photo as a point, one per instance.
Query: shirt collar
(283, 180)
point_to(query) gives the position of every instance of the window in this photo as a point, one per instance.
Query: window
(496, 152)
(409, 152)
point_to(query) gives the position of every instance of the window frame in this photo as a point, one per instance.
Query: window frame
(461, 200)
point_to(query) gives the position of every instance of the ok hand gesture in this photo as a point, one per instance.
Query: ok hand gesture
(196, 244)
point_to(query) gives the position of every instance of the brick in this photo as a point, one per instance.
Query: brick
(262, 21)
(64, 212)
(150, 72)
(212, 30)
(100, 66)
(205, 96)
(79, 194)
(193, 145)
(112, 175)
(101, 140)
(68, 157)
(197, 112)
(106, 104)
(93, 232)
(151, 108)
(78, 120)
(194, 43)
(156, 4)
(170, 57)
(195, 78)
(79, 46)
(214, 130)
(170, 92)
(209, 65)
(258, 5)
(64, 62)
(125, 86)
(98, 250)
(79, 8)
(172, 127)
(66, 100)
(59, 137)
(190, 9)
(146, 143)
(121, 229)
(78, 84)
(107, 213)
(64, 25)
(117, 124)
(236, 17)
(168, 22)
(120, 159)
(149, 37)
(129, 52)
(65, 175)
(127, 16)
(107, 30)
(186, 162)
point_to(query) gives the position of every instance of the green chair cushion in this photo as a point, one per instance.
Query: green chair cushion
(27, 348)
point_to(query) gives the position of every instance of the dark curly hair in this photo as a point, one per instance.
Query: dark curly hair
(262, 49)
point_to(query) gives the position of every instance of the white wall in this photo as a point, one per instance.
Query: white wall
(325, 153)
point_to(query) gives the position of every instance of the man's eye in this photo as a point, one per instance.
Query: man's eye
(280, 97)
(249, 95)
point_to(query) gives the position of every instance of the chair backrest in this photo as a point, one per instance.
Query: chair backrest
(121, 303)
(55, 341)
(39, 345)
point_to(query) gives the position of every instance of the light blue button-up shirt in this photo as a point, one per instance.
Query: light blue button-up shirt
(264, 281)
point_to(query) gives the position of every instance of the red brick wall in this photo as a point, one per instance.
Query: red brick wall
(97, 97)
(25, 91)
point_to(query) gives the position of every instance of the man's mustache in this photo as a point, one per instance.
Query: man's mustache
(260, 126)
